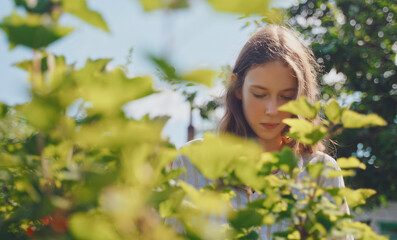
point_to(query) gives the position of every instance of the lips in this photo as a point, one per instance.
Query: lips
(269, 125)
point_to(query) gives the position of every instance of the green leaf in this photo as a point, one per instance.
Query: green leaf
(213, 155)
(351, 119)
(53, 75)
(333, 111)
(114, 133)
(353, 197)
(350, 162)
(304, 131)
(79, 9)
(245, 218)
(150, 5)
(301, 107)
(40, 7)
(252, 235)
(42, 112)
(107, 91)
(315, 169)
(287, 160)
(241, 6)
(92, 226)
(360, 231)
(343, 173)
(205, 200)
(3, 110)
(202, 76)
(31, 31)
(166, 69)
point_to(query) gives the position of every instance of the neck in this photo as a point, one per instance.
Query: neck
(273, 145)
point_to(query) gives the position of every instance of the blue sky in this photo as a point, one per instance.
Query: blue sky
(198, 37)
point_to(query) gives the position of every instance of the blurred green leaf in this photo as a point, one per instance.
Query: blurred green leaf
(287, 160)
(41, 6)
(353, 197)
(31, 31)
(208, 201)
(79, 9)
(351, 119)
(42, 112)
(315, 169)
(108, 91)
(241, 6)
(202, 76)
(53, 74)
(245, 218)
(150, 5)
(205, 154)
(167, 70)
(333, 111)
(3, 110)
(360, 231)
(350, 162)
(301, 107)
(92, 226)
(305, 131)
(116, 133)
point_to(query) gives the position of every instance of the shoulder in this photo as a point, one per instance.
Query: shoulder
(192, 142)
(324, 158)
(182, 160)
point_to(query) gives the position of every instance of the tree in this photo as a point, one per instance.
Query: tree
(358, 39)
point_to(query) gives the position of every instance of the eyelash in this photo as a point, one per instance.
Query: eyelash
(261, 96)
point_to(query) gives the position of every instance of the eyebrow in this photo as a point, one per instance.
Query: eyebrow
(284, 90)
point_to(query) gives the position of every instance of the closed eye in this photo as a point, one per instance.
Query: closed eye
(259, 95)
(286, 98)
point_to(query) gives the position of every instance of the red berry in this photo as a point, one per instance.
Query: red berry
(59, 224)
(30, 230)
(46, 220)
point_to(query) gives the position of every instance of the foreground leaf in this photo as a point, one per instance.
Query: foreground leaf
(304, 131)
(79, 9)
(203, 76)
(31, 32)
(241, 6)
(351, 119)
(301, 107)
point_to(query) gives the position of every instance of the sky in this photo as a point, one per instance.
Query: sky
(198, 37)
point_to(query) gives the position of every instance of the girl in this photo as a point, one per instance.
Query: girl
(273, 68)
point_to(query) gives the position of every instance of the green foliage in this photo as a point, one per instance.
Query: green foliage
(301, 107)
(358, 40)
(30, 31)
(309, 133)
(96, 174)
(80, 10)
(240, 6)
(150, 5)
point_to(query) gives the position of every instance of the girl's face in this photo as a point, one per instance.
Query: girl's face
(265, 88)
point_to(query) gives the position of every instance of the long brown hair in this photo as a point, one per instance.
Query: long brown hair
(268, 44)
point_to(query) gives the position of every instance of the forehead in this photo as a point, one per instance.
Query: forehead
(272, 76)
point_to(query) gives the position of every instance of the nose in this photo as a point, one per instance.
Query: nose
(271, 107)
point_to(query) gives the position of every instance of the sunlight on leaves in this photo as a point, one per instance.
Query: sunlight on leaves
(241, 6)
(301, 107)
(350, 162)
(202, 76)
(79, 9)
(333, 111)
(352, 119)
(304, 131)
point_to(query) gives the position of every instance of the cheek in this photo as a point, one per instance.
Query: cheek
(251, 107)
